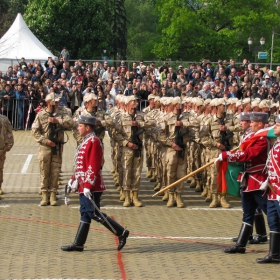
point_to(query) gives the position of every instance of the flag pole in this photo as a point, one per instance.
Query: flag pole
(184, 178)
(188, 176)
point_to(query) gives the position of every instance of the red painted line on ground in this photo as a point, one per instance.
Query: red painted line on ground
(119, 257)
(131, 233)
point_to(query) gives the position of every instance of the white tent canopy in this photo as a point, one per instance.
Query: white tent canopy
(19, 42)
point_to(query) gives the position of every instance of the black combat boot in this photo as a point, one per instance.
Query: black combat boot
(274, 249)
(116, 229)
(240, 246)
(80, 240)
(260, 230)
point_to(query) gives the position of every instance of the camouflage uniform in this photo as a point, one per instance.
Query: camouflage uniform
(50, 159)
(6, 143)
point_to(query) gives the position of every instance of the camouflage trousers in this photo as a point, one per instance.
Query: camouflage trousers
(132, 168)
(212, 154)
(2, 161)
(176, 169)
(50, 166)
(161, 165)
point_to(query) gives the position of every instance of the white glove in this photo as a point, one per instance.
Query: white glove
(73, 185)
(219, 158)
(70, 183)
(87, 193)
(278, 198)
(264, 185)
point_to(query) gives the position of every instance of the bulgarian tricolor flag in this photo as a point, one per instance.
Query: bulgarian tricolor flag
(228, 171)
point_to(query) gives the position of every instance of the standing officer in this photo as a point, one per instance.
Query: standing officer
(48, 131)
(251, 179)
(6, 144)
(273, 206)
(88, 178)
(132, 155)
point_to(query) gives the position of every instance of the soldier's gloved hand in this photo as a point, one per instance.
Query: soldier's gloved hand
(264, 185)
(278, 198)
(219, 158)
(87, 193)
(73, 185)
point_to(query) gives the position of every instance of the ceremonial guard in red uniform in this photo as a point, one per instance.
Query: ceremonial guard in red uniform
(259, 223)
(88, 180)
(254, 156)
(272, 185)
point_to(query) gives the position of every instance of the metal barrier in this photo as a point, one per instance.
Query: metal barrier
(20, 112)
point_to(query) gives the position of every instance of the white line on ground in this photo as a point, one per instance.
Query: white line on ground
(26, 164)
(182, 237)
(21, 173)
(4, 206)
(23, 154)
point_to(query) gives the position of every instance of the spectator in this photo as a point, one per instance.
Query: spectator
(128, 90)
(75, 97)
(64, 54)
(7, 96)
(21, 106)
(173, 91)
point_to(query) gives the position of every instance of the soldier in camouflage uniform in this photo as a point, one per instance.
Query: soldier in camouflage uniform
(203, 155)
(175, 155)
(210, 135)
(132, 154)
(148, 143)
(48, 131)
(6, 144)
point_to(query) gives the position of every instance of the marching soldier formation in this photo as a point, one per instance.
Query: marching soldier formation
(178, 135)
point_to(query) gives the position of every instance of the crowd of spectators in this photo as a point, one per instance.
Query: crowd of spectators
(30, 82)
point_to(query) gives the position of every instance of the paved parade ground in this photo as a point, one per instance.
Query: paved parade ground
(164, 243)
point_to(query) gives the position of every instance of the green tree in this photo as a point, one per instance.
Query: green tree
(119, 29)
(142, 31)
(8, 12)
(83, 26)
(195, 29)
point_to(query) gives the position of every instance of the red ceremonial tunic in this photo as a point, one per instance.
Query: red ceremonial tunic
(88, 161)
(273, 169)
(254, 157)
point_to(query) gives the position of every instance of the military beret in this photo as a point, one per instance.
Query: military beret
(199, 102)
(185, 100)
(207, 101)
(176, 100)
(264, 104)
(213, 102)
(245, 116)
(151, 96)
(259, 117)
(220, 101)
(130, 98)
(232, 100)
(255, 103)
(238, 103)
(246, 101)
(168, 100)
(52, 96)
(157, 99)
(87, 120)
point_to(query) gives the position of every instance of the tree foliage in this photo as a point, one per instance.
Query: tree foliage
(83, 26)
(142, 32)
(195, 29)
(8, 12)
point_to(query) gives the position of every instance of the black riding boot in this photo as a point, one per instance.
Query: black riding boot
(260, 230)
(80, 240)
(274, 249)
(116, 229)
(240, 246)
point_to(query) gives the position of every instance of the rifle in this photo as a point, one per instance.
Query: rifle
(135, 136)
(54, 130)
(225, 136)
(179, 136)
